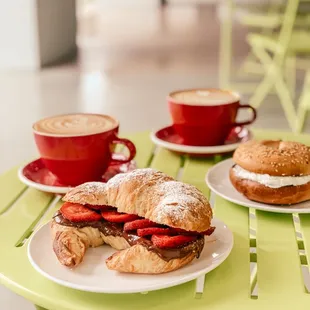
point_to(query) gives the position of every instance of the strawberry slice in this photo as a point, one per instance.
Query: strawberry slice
(116, 217)
(76, 212)
(153, 231)
(165, 241)
(207, 232)
(100, 207)
(139, 224)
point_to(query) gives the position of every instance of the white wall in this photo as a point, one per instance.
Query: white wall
(57, 29)
(35, 32)
(18, 35)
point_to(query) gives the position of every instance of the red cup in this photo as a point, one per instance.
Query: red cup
(209, 122)
(79, 158)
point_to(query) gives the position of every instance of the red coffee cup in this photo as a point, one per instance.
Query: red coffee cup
(79, 147)
(205, 117)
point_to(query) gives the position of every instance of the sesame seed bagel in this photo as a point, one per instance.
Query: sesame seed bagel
(275, 158)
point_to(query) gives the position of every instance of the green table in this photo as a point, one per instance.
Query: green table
(280, 255)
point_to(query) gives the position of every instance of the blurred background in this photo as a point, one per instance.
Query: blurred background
(123, 57)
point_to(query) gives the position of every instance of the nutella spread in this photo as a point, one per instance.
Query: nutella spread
(116, 229)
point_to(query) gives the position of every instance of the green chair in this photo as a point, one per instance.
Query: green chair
(268, 23)
(265, 23)
(277, 53)
(267, 26)
(304, 103)
(288, 51)
(260, 18)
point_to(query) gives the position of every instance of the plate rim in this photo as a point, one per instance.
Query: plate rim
(249, 204)
(173, 283)
(225, 148)
(41, 187)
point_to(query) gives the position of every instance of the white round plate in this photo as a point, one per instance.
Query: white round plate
(92, 274)
(218, 181)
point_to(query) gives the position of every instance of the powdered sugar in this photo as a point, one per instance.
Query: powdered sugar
(92, 188)
(178, 191)
(119, 178)
(116, 180)
(145, 172)
(153, 195)
(88, 193)
(174, 211)
(177, 199)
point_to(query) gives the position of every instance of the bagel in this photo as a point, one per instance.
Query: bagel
(273, 172)
(144, 197)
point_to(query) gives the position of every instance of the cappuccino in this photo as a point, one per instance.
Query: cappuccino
(204, 97)
(75, 124)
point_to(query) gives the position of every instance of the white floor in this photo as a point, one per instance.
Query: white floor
(128, 62)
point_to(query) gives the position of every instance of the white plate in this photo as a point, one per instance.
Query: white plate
(218, 181)
(93, 275)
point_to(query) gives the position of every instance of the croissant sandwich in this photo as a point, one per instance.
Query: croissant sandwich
(157, 224)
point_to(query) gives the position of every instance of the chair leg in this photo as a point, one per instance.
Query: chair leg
(290, 72)
(286, 102)
(274, 78)
(272, 72)
(304, 104)
(250, 66)
(301, 117)
(226, 47)
(262, 90)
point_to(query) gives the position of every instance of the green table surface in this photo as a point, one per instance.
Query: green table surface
(281, 247)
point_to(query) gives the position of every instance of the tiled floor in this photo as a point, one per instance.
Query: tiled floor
(129, 60)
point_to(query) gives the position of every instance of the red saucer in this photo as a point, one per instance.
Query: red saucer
(169, 139)
(36, 175)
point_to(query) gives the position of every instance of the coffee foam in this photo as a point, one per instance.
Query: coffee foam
(74, 125)
(204, 97)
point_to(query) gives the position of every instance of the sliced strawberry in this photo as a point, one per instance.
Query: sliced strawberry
(100, 207)
(178, 231)
(165, 241)
(76, 212)
(139, 224)
(153, 231)
(116, 217)
(208, 232)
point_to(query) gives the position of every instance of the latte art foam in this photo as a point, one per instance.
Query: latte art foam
(205, 97)
(75, 124)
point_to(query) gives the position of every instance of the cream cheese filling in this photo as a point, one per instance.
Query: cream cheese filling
(269, 180)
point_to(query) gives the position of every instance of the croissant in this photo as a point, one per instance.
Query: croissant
(157, 224)
(71, 243)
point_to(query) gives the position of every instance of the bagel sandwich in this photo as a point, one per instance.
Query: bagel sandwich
(272, 172)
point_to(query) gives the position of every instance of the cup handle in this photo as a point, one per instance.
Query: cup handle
(246, 106)
(131, 147)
